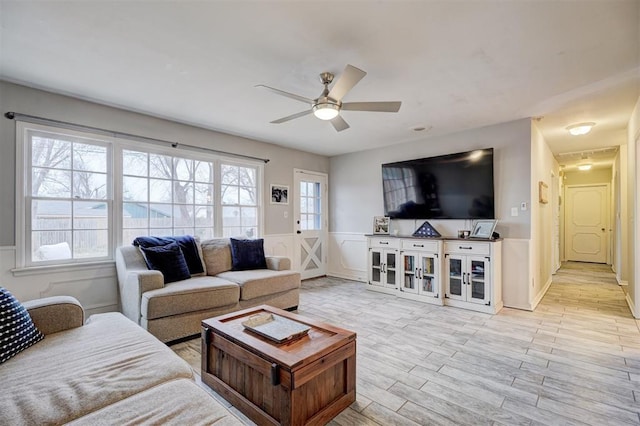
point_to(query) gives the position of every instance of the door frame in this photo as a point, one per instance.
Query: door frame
(324, 212)
(608, 218)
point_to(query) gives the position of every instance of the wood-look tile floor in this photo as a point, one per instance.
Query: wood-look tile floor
(574, 360)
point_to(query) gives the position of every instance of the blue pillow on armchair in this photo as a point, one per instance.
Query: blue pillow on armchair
(169, 260)
(247, 254)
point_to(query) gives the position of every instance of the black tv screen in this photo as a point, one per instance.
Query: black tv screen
(454, 186)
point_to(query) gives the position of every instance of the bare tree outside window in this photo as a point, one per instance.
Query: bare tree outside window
(70, 192)
(239, 189)
(166, 195)
(65, 173)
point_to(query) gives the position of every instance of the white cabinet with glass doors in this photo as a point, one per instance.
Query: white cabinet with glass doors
(473, 275)
(383, 264)
(420, 270)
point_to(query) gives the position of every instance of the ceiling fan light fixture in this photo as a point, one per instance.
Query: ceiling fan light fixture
(580, 128)
(326, 111)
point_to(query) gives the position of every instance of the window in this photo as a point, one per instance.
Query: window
(239, 197)
(166, 195)
(68, 198)
(74, 182)
(310, 212)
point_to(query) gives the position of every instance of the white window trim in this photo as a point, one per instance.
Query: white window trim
(23, 267)
(23, 164)
(259, 192)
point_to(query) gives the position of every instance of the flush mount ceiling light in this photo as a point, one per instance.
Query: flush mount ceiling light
(580, 128)
(584, 167)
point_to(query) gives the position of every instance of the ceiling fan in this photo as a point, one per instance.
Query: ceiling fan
(329, 104)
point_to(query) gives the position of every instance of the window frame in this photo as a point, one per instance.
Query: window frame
(115, 201)
(173, 153)
(259, 191)
(24, 197)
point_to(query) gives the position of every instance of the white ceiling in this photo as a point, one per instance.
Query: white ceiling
(454, 65)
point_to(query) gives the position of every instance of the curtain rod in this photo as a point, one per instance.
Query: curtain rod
(35, 119)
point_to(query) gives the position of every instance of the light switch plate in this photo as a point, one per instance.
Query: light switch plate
(514, 211)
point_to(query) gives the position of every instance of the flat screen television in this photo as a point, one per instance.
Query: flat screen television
(454, 186)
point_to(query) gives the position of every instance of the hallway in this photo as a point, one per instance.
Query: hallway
(584, 287)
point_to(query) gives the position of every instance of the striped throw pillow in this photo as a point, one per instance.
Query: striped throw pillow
(17, 331)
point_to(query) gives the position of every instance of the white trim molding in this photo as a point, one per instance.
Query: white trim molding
(94, 285)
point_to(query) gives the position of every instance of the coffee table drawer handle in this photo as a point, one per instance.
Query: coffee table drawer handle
(275, 377)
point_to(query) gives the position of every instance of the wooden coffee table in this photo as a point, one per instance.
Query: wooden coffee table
(306, 381)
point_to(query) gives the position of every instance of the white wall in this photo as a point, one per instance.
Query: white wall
(96, 287)
(633, 207)
(356, 197)
(544, 169)
(621, 247)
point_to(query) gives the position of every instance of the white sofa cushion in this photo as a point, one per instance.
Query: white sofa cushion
(262, 282)
(192, 295)
(178, 402)
(75, 372)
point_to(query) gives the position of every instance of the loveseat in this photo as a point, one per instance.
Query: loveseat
(175, 310)
(107, 371)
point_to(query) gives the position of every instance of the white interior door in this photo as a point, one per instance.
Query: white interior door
(311, 223)
(587, 223)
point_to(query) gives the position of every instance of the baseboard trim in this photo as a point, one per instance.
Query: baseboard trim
(621, 282)
(345, 276)
(539, 297)
(630, 304)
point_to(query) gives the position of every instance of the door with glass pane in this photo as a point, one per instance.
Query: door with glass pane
(455, 277)
(310, 223)
(410, 272)
(428, 275)
(478, 280)
(384, 270)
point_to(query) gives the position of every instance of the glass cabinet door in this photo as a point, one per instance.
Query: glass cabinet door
(390, 267)
(376, 267)
(409, 273)
(428, 279)
(478, 280)
(455, 279)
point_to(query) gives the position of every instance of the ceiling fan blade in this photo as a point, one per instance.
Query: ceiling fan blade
(291, 117)
(339, 124)
(372, 106)
(349, 78)
(286, 94)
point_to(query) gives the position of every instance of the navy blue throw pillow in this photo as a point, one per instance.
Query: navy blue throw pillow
(169, 260)
(187, 244)
(17, 331)
(247, 254)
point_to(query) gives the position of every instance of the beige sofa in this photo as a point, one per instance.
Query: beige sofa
(107, 371)
(175, 310)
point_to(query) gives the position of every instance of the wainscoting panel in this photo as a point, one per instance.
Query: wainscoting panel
(96, 288)
(348, 256)
(279, 245)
